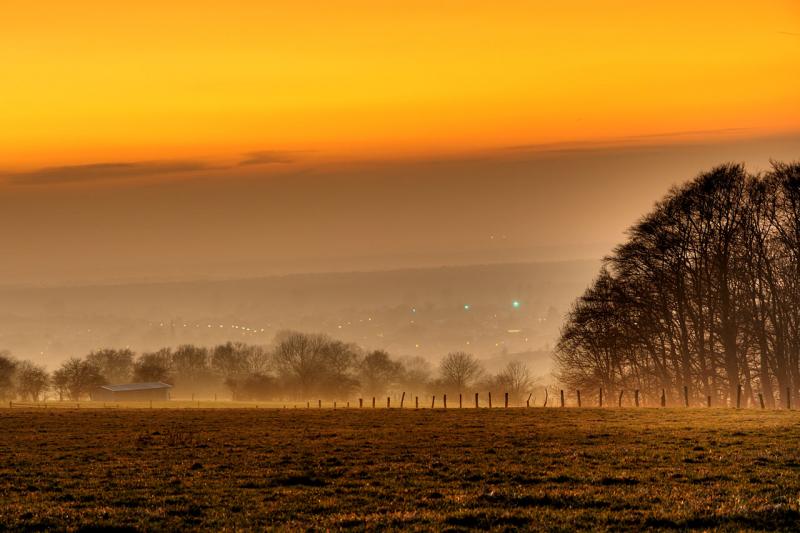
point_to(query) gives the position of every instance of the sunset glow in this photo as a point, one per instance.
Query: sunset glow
(90, 82)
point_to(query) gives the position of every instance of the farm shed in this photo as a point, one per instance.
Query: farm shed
(132, 392)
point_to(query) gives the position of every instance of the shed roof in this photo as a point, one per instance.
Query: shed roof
(137, 386)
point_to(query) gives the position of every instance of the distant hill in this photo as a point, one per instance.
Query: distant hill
(412, 311)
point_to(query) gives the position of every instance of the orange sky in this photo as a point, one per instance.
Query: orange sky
(97, 81)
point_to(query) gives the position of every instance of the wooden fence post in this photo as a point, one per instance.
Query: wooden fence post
(761, 399)
(388, 402)
(788, 398)
(506, 401)
(433, 401)
(579, 398)
(709, 400)
(601, 396)
(490, 400)
(562, 397)
(416, 402)
(686, 396)
(373, 402)
(348, 405)
(308, 405)
(402, 399)
(361, 403)
(444, 399)
(636, 397)
(459, 401)
(476, 400)
(619, 402)
(334, 405)
(320, 404)
(663, 397)
(738, 396)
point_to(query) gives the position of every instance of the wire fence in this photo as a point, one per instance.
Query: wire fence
(599, 398)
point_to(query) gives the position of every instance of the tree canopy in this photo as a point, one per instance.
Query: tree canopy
(704, 294)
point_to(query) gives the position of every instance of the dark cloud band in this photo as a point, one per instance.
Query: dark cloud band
(101, 172)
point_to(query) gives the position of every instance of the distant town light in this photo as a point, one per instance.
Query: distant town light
(515, 304)
(466, 307)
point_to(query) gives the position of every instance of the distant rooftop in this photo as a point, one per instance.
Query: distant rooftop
(137, 386)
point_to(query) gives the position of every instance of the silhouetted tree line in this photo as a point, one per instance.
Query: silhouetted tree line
(21, 379)
(705, 293)
(297, 366)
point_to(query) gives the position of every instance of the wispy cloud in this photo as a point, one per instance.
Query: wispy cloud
(130, 170)
(268, 157)
(101, 172)
(789, 33)
(632, 141)
(686, 133)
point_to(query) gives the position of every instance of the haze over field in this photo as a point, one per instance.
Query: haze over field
(421, 312)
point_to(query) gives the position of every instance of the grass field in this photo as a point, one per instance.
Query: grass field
(556, 469)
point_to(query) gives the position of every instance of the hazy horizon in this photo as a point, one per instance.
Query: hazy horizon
(177, 140)
(123, 223)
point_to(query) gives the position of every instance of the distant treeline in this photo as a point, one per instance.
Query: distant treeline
(704, 294)
(296, 366)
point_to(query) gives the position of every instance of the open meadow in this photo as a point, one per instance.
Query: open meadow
(555, 469)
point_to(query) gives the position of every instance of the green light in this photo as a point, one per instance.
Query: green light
(515, 304)
(466, 307)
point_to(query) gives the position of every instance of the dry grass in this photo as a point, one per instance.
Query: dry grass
(557, 469)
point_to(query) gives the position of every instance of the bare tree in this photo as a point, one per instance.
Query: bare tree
(459, 370)
(32, 381)
(77, 378)
(60, 383)
(377, 372)
(516, 379)
(116, 366)
(339, 364)
(8, 368)
(230, 360)
(314, 364)
(153, 367)
(299, 359)
(191, 370)
(241, 365)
